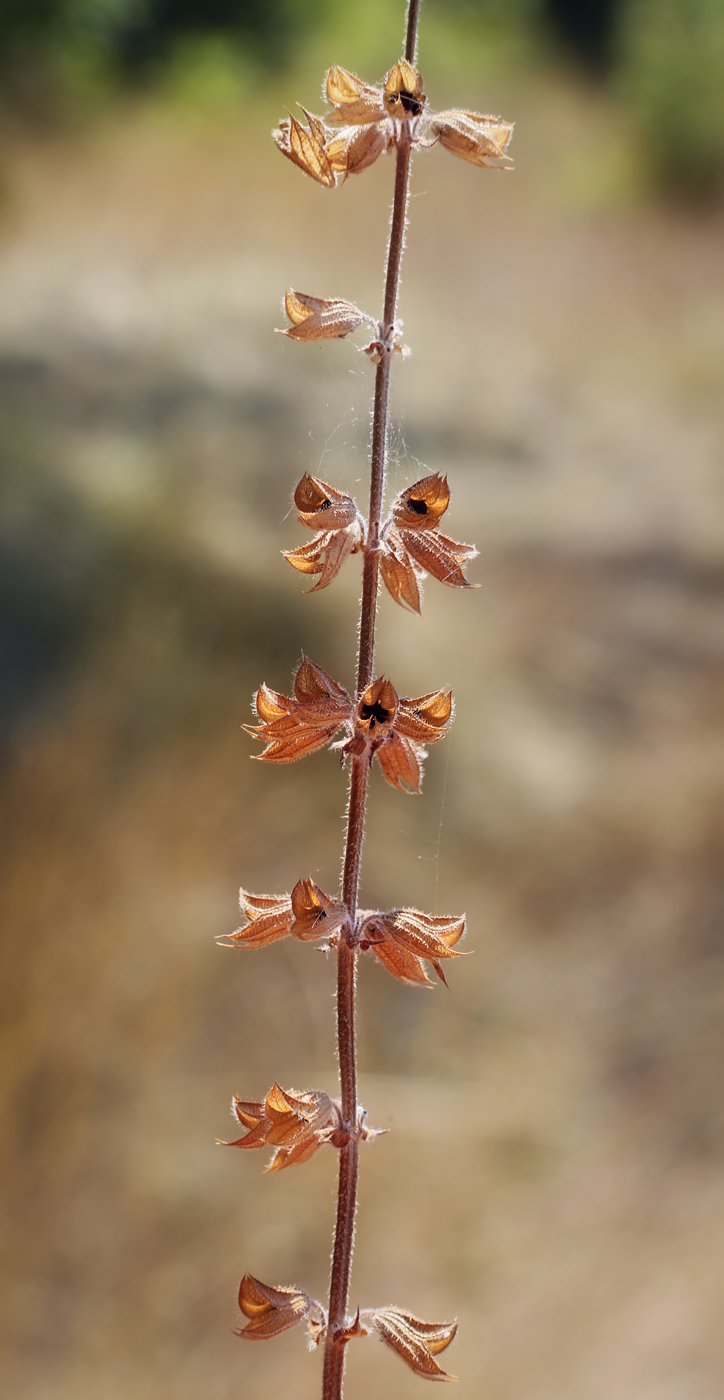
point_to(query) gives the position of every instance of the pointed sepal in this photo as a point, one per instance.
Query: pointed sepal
(269, 916)
(306, 147)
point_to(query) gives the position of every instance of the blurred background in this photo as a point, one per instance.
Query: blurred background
(553, 1176)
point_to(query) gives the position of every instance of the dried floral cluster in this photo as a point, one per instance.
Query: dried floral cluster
(410, 544)
(375, 722)
(366, 121)
(274, 1310)
(400, 938)
(379, 724)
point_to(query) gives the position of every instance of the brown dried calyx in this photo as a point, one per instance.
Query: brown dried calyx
(295, 725)
(371, 120)
(295, 1123)
(393, 728)
(356, 103)
(415, 1341)
(402, 938)
(321, 318)
(274, 1310)
(330, 156)
(341, 534)
(332, 318)
(306, 148)
(480, 139)
(412, 544)
(307, 914)
(355, 148)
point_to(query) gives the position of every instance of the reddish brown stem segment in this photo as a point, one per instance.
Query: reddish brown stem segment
(347, 957)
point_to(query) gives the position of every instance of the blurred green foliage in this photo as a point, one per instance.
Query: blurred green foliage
(672, 73)
(135, 38)
(665, 58)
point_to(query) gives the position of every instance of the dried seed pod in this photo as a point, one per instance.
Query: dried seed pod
(307, 914)
(400, 575)
(480, 139)
(317, 503)
(422, 505)
(376, 711)
(269, 916)
(425, 718)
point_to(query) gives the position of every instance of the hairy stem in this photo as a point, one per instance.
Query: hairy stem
(347, 957)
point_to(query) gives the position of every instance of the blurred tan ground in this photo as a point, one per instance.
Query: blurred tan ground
(554, 1176)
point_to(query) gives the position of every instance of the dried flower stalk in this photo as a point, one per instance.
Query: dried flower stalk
(374, 722)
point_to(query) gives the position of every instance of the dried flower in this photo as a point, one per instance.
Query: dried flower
(354, 101)
(307, 149)
(318, 503)
(480, 139)
(403, 96)
(355, 148)
(417, 1342)
(343, 530)
(412, 544)
(307, 914)
(316, 914)
(402, 938)
(295, 1123)
(395, 730)
(317, 318)
(293, 726)
(274, 1310)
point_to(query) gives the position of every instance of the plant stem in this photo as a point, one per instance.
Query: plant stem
(346, 956)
